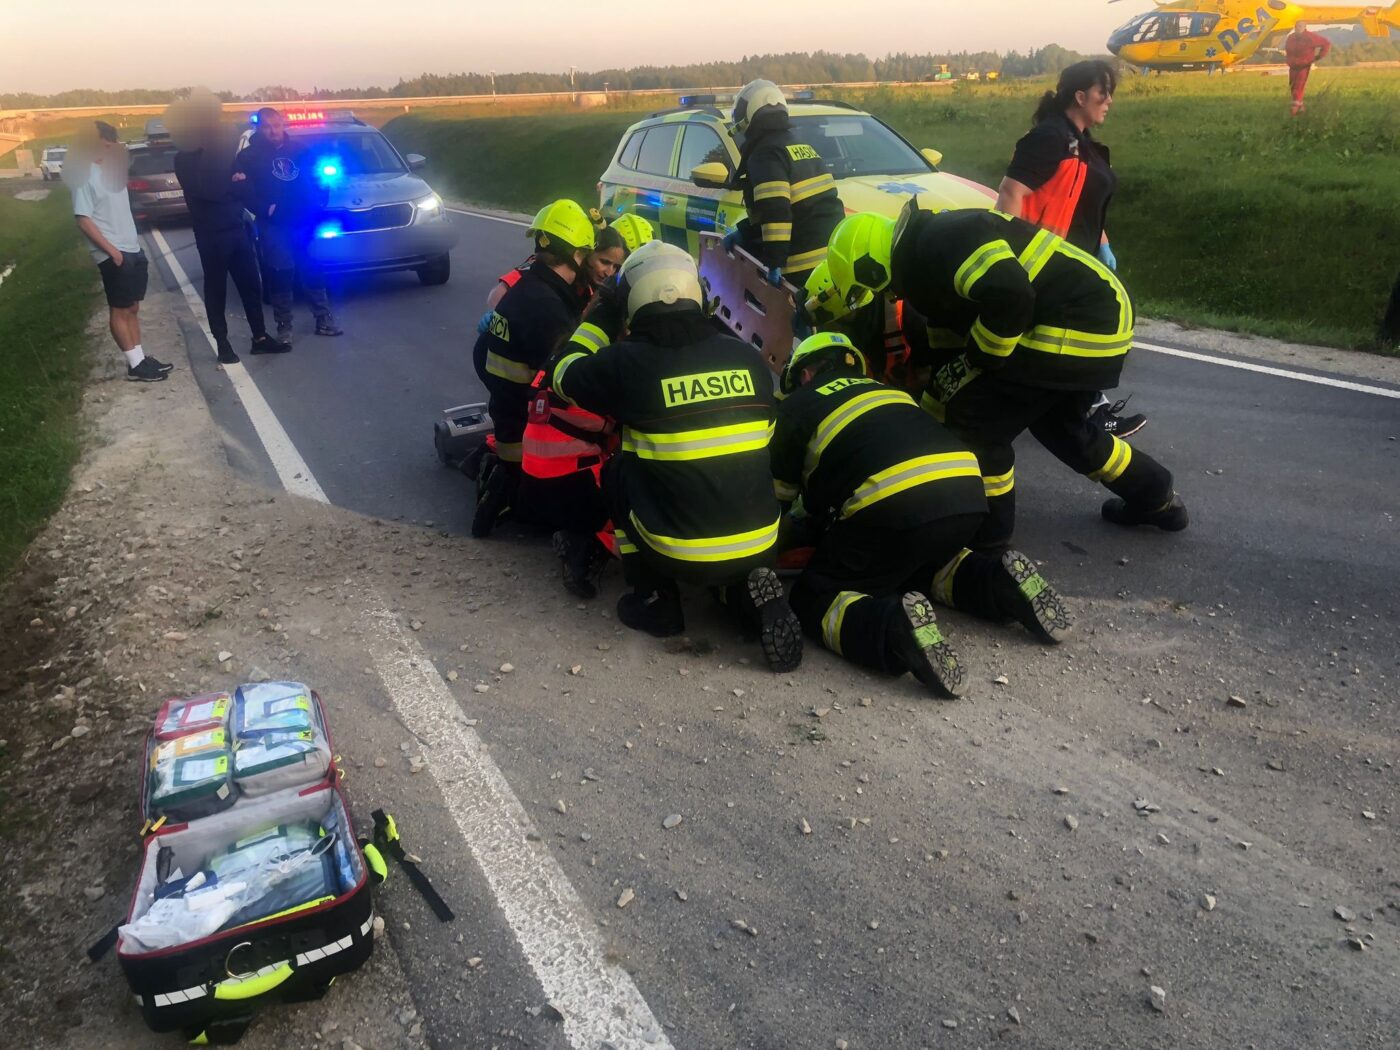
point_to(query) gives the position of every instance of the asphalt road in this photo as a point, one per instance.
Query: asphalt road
(961, 899)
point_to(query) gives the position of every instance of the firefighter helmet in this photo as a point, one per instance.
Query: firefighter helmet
(755, 96)
(563, 227)
(658, 272)
(824, 346)
(634, 230)
(824, 304)
(859, 257)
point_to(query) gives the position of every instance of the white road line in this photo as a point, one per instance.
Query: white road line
(599, 1002)
(556, 934)
(1269, 370)
(292, 471)
(483, 215)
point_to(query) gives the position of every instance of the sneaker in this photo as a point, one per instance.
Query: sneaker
(1110, 419)
(573, 551)
(148, 371)
(779, 632)
(493, 498)
(1170, 517)
(163, 366)
(1023, 593)
(265, 344)
(659, 615)
(284, 334)
(226, 352)
(920, 646)
(327, 327)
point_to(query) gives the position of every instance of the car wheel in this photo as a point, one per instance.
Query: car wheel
(437, 271)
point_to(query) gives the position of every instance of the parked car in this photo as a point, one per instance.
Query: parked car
(150, 182)
(51, 162)
(676, 167)
(381, 215)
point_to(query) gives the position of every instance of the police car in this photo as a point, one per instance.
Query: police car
(676, 168)
(380, 215)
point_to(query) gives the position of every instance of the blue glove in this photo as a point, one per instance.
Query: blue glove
(775, 276)
(731, 240)
(484, 325)
(1107, 257)
(801, 324)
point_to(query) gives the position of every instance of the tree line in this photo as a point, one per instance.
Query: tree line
(820, 67)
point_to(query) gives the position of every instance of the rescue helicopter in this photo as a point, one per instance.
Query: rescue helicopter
(1217, 34)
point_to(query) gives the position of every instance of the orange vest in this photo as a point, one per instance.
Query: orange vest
(561, 439)
(1052, 206)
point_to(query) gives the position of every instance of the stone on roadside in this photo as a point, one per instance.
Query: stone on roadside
(1343, 913)
(671, 821)
(1014, 1014)
(507, 668)
(452, 676)
(224, 656)
(560, 807)
(1000, 679)
(1072, 822)
(805, 827)
(1208, 902)
(379, 763)
(481, 687)
(1236, 701)
(1157, 997)
(80, 731)
(627, 897)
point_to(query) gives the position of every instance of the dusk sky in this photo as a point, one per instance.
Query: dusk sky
(52, 45)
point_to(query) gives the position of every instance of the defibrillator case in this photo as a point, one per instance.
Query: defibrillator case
(210, 988)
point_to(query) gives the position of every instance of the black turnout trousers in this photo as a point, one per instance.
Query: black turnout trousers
(989, 413)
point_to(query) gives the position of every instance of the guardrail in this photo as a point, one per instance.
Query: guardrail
(582, 98)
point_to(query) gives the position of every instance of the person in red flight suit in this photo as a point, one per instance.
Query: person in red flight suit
(1303, 48)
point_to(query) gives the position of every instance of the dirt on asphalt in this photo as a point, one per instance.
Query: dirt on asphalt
(1148, 807)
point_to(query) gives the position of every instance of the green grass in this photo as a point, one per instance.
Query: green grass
(1229, 213)
(45, 357)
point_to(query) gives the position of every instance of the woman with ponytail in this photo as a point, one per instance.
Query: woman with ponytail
(1060, 178)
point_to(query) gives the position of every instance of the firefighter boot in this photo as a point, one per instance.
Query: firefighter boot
(495, 490)
(1169, 517)
(575, 552)
(919, 646)
(1022, 593)
(658, 612)
(779, 632)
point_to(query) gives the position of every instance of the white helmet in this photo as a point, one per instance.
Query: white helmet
(658, 272)
(755, 96)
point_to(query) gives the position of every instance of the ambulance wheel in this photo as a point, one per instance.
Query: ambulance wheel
(437, 271)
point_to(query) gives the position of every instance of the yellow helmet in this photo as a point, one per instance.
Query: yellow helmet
(824, 305)
(658, 272)
(859, 257)
(824, 345)
(634, 230)
(755, 95)
(562, 226)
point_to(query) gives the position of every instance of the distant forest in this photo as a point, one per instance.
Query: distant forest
(820, 67)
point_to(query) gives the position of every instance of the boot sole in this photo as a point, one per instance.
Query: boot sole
(927, 654)
(1039, 609)
(780, 634)
(579, 588)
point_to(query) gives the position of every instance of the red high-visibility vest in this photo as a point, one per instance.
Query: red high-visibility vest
(561, 439)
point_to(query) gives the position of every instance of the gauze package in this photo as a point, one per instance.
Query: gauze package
(279, 738)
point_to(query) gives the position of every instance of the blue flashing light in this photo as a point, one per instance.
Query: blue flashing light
(329, 171)
(327, 231)
(252, 118)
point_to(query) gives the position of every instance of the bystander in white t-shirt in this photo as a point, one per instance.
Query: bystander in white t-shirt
(110, 209)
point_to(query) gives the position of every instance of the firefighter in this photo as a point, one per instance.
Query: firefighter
(690, 493)
(1045, 326)
(565, 446)
(530, 322)
(904, 498)
(789, 194)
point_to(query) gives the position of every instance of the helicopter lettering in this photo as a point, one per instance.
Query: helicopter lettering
(1263, 22)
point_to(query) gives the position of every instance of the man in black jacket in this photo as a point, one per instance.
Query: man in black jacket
(203, 166)
(789, 194)
(284, 196)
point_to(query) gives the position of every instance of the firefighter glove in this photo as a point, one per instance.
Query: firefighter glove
(1107, 257)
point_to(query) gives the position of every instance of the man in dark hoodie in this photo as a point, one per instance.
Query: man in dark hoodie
(202, 165)
(788, 192)
(276, 184)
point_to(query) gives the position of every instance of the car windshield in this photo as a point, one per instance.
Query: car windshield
(857, 144)
(56, 154)
(159, 162)
(353, 153)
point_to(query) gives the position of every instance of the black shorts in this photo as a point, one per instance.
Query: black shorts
(125, 285)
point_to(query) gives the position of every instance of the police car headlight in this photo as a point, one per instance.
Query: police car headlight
(429, 207)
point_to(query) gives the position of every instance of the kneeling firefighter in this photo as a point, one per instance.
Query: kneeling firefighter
(904, 499)
(565, 446)
(531, 321)
(1044, 327)
(690, 493)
